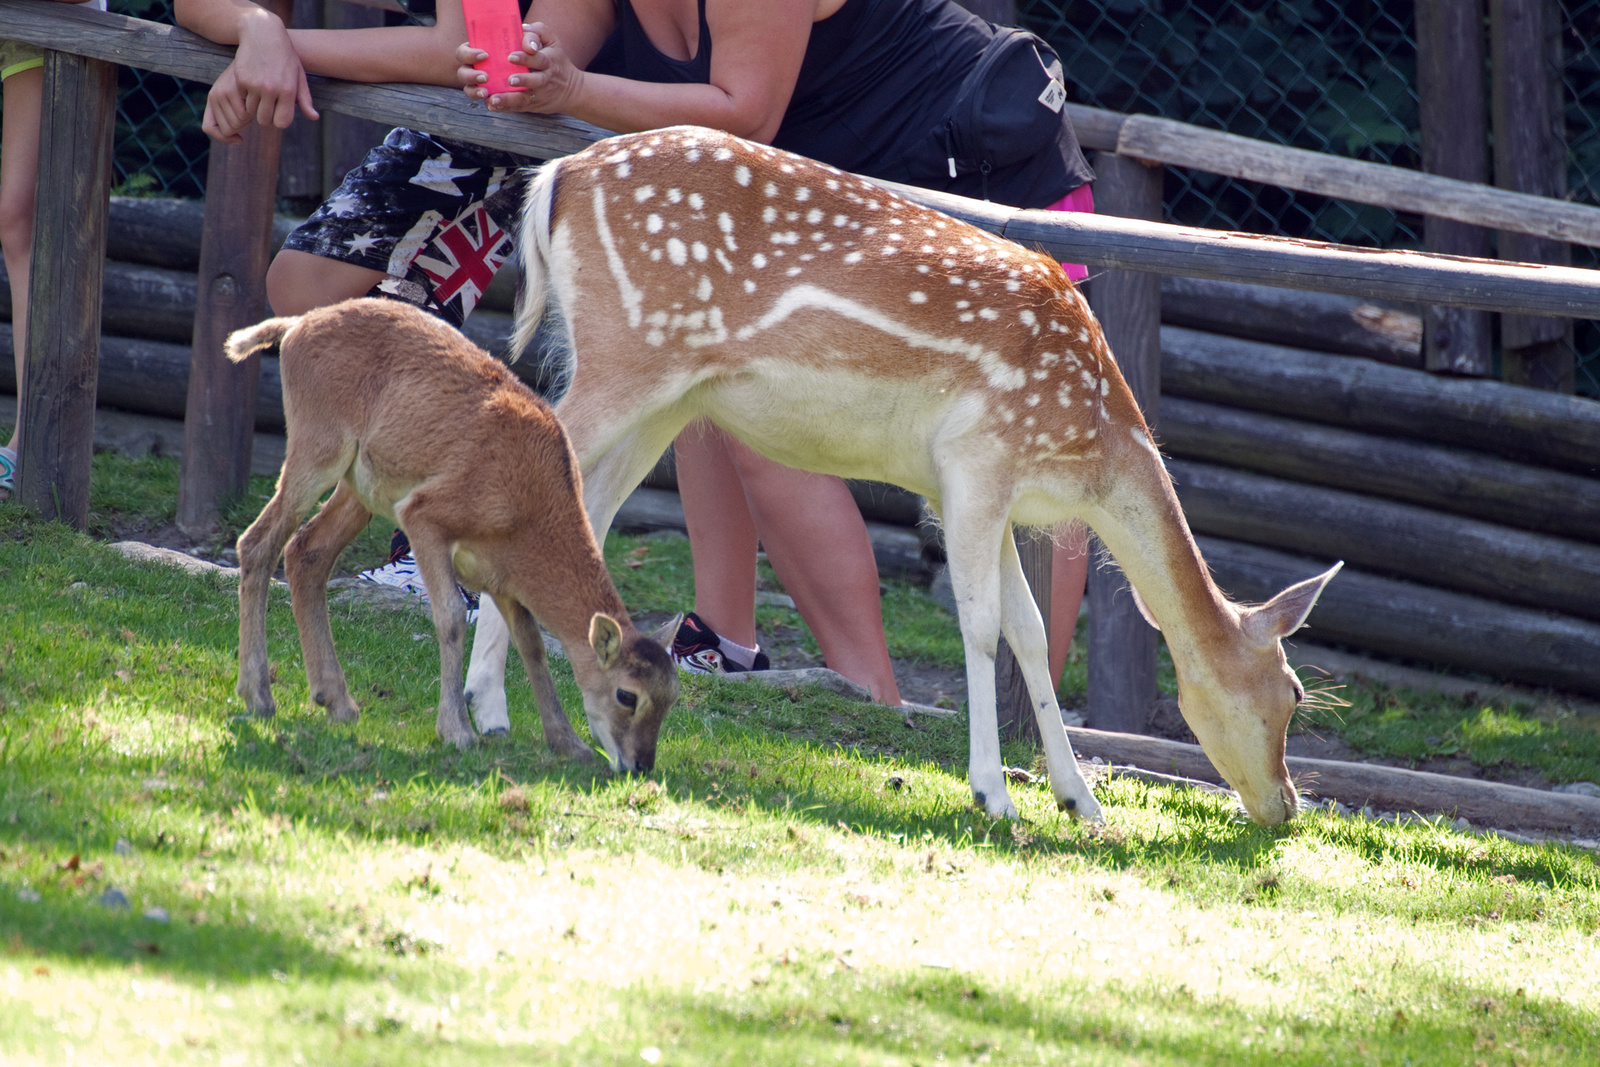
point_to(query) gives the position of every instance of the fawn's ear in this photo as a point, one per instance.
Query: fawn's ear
(663, 634)
(605, 637)
(1286, 612)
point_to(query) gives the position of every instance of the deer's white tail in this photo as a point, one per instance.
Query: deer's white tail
(242, 344)
(533, 243)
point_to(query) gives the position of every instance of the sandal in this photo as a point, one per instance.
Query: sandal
(8, 472)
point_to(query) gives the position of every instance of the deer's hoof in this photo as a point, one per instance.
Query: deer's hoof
(1087, 809)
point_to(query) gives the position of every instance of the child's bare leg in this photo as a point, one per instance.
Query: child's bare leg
(298, 282)
(19, 174)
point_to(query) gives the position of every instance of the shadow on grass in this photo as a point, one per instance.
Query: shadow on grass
(957, 1017)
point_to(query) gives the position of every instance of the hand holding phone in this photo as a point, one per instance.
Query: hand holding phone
(495, 27)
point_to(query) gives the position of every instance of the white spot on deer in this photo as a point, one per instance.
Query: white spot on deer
(643, 193)
(787, 168)
(1088, 380)
(1083, 334)
(722, 155)
(1006, 414)
(956, 279)
(741, 174)
(1088, 434)
(1000, 374)
(758, 261)
(852, 258)
(697, 202)
(963, 304)
(923, 268)
(965, 316)
(653, 224)
(786, 237)
(1033, 400)
(831, 183)
(714, 334)
(632, 299)
(988, 314)
(841, 220)
(749, 286)
(918, 297)
(814, 216)
(722, 258)
(771, 189)
(655, 255)
(1040, 375)
(624, 169)
(1064, 395)
(677, 252)
(699, 251)
(769, 215)
(1030, 422)
(793, 272)
(703, 290)
(1028, 318)
(1048, 359)
(888, 250)
(802, 194)
(674, 196)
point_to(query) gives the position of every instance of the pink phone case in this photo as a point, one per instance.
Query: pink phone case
(495, 26)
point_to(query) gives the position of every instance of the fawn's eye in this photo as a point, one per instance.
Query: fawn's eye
(628, 698)
(1299, 694)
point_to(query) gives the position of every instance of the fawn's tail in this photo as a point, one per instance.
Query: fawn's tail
(242, 344)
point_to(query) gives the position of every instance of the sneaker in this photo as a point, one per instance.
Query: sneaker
(401, 572)
(697, 649)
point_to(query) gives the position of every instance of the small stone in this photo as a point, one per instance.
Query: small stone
(157, 915)
(115, 899)
(123, 847)
(29, 895)
(1461, 824)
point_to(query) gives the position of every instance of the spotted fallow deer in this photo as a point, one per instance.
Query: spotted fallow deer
(410, 420)
(838, 328)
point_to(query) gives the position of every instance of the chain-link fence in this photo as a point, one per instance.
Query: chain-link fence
(1333, 76)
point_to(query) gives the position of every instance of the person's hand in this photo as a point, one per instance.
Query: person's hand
(264, 83)
(550, 85)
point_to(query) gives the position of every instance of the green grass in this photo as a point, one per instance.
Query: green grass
(801, 880)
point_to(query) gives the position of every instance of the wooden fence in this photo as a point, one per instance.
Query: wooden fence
(220, 407)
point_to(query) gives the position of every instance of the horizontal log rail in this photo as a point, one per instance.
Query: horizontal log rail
(1094, 239)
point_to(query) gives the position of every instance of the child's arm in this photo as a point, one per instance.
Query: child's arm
(267, 78)
(265, 81)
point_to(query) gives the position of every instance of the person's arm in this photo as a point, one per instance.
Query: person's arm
(754, 64)
(264, 83)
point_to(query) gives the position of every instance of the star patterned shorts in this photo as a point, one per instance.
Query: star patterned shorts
(437, 216)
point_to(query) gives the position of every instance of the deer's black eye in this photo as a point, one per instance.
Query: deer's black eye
(1299, 694)
(627, 698)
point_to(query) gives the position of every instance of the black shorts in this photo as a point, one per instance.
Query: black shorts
(437, 216)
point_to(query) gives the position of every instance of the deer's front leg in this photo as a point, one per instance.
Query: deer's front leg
(486, 674)
(973, 531)
(1024, 632)
(450, 621)
(558, 731)
(308, 562)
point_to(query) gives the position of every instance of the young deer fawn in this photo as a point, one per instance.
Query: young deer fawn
(411, 421)
(836, 327)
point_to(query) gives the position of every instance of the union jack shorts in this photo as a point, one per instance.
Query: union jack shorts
(436, 216)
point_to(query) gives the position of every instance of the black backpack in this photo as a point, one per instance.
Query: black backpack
(1008, 108)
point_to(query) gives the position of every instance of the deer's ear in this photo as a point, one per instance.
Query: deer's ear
(1286, 612)
(605, 637)
(663, 634)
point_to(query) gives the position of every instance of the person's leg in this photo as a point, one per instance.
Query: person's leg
(298, 282)
(19, 172)
(818, 545)
(1069, 567)
(722, 535)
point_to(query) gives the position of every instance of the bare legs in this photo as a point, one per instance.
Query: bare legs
(1069, 568)
(19, 175)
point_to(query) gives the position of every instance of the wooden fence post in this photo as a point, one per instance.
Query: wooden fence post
(1450, 88)
(235, 247)
(1531, 157)
(1122, 646)
(69, 251)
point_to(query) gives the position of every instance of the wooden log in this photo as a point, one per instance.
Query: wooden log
(1325, 322)
(78, 115)
(1361, 784)
(162, 231)
(1121, 645)
(234, 253)
(136, 301)
(1450, 95)
(1531, 157)
(1527, 425)
(1440, 477)
(1399, 540)
(1415, 622)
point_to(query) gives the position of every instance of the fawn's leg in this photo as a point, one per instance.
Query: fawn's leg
(432, 551)
(1023, 628)
(308, 563)
(558, 731)
(259, 548)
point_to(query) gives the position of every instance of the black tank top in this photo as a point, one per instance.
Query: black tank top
(876, 82)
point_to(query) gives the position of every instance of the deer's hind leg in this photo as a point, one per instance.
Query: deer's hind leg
(1024, 631)
(307, 563)
(299, 486)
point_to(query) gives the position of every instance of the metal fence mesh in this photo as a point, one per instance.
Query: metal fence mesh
(1333, 76)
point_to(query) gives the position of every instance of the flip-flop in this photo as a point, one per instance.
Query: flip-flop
(8, 472)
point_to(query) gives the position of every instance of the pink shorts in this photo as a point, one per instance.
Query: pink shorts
(1080, 199)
